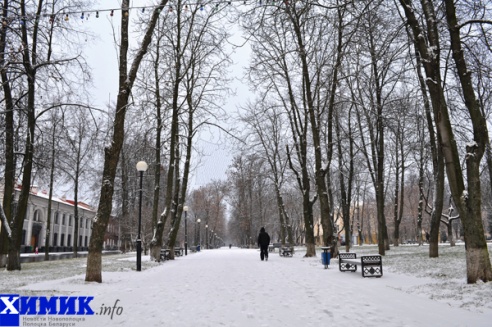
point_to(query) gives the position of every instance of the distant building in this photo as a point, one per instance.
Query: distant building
(62, 223)
(111, 236)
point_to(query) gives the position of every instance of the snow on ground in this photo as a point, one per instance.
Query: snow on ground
(232, 287)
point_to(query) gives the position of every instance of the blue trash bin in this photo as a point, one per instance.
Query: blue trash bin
(325, 257)
(198, 248)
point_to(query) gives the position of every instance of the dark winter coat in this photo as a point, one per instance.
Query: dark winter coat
(263, 238)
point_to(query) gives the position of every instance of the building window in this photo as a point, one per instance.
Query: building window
(23, 237)
(36, 215)
(62, 240)
(81, 223)
(69, 240)
(87, 223)
(70, 221)
(56, 217)
(80, 240)
(55, 239)
(63, 220)
(85, 241)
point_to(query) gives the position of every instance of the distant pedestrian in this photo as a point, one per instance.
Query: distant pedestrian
(263, 243)
(36, 250)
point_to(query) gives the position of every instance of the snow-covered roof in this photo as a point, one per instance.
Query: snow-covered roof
(44, 195)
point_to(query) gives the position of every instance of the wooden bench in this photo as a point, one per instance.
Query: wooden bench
(286, 251)
(371, 265)
(165, 254)
(178, 252)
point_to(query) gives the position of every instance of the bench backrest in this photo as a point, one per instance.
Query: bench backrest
(371, 259)
(345, 255)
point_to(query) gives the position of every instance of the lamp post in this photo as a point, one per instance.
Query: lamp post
(358, 234)
(199, 238)
(206, 237)
(185, 209)
(141, 167)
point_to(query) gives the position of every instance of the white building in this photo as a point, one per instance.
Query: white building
(62, 223)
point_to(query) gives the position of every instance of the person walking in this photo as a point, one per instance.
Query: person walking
(263, 243)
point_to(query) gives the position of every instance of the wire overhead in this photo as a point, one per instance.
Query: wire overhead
(86, 14)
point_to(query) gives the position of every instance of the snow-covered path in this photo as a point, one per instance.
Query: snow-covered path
(232, 287)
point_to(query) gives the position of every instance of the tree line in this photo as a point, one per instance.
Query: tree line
(365, 95)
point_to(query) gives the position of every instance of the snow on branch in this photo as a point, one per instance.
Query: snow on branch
(470, 150)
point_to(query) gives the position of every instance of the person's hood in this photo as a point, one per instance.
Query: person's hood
(262, 230)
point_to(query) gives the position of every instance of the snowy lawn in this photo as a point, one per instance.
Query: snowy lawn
(232, 287)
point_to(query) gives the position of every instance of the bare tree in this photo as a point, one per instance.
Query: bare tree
(208, 203)
(35, 57)
(55, 123)
(81, 136)
(251, 198)
(378, 67)
(266, 127)
(112, 151)
(10, 164)
(194, 48)
(346, 173)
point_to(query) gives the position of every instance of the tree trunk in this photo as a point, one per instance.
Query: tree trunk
(29, 61)
(489, 202)
(383, 241)
(168, 200)
(76, 198)
(281, 211)
(181, 188)
(76, 214)
(50, 197)
(396, 198)
(307, 204)
(9, 174)
(438, 168)
(155, 249)
(176, 207)
(451, 240)
(345, 196)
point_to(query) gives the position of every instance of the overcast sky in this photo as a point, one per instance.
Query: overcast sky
(102, 55)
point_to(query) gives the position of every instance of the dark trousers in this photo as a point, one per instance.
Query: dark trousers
(263, 251)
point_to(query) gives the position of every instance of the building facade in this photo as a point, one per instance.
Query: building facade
(62, 223)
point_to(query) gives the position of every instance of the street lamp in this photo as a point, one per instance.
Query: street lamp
(185, 209)
(199, 238)
(359, 232)
(206, 237)
(141, 167)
